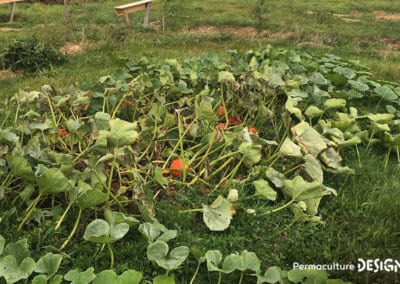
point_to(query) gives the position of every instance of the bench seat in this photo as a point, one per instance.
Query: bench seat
(126, 9)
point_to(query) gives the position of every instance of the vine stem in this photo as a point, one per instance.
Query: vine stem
(111, 177)
(219, 277)
(73, 230)
(59, 222)
(110, 250)
(191, 210)
(278, 208)
(195, 273)
(29, 211)
(241, 277)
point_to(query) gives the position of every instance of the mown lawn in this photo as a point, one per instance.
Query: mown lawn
(362, 221)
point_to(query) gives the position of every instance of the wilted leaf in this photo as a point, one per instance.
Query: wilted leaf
(275, 177)
(299, 189)
(217, 216)
(121, 133)
(288, 148)
(313, 111)
(308, 138)
(251, 153)
(225, 76)
(313, 168)
(264, 189)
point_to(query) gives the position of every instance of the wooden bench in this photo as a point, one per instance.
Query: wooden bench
(14, 4)
(125, 10)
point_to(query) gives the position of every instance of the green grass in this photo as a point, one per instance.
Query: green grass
(362, 221)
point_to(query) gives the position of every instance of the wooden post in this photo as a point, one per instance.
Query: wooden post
(126, 16)
(146, 15)
(14, 4)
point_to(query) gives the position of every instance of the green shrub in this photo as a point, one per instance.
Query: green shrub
(31, 55)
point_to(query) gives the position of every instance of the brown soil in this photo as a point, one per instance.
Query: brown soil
(347, 17)
(236, 31)
(6, 74)
(71, 48)
(6, 29)
(381, 15)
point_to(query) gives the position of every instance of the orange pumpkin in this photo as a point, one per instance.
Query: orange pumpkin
(176, 167)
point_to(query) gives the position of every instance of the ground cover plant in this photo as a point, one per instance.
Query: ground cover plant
(250, 136)
(199, 170)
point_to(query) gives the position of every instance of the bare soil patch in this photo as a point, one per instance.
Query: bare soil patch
(242, 32)
(7, 74)
(347, 17)
(236, 31)
(7, 29)
(70, 48)
(381, 15)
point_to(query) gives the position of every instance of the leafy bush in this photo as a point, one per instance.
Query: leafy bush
(31, 55)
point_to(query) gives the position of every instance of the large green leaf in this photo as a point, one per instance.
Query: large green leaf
(48, 264)
(158, 252)
(204, 111)
(19, 250)
(114, 218)
(53, 181)
(109, 276)
(152, 230)
(214, 258)
(8, 137)
(106, 277)
(386, 93)
(307, 276)
(272, 275)
(164, 279)
(99, 231)
(13, 271)
(40, 279)
(102, 120)
(80, 277)
(2, 244)
(130, 277)
(217, 216)
(89, 196)
(20, 168)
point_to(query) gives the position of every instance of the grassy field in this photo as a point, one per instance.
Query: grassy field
(362, 221)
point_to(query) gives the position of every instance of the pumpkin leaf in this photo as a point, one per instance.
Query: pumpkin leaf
(217, 216)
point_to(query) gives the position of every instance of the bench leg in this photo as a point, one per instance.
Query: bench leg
(146, 15)
(12, 11)
(126, 16)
